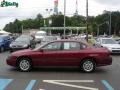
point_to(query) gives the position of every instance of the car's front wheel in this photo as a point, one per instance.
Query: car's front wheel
(24, 64)
(88, 65)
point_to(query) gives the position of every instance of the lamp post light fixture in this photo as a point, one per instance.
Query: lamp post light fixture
(49, 11)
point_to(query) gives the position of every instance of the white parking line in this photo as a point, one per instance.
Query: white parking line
(60, 82)
(91, 81)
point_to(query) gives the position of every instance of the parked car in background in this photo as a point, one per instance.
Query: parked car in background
(118, 40)
(109, 43)
(22, 42)
(5, 41)
(47, 39)
(39, 36)
(61, 53)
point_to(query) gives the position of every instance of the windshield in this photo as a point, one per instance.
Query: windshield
(108, 41)
(41, 45)
(22, 39)
(40, 34)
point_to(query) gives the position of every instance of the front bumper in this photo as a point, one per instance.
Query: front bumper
(115, 51)
(11, 61)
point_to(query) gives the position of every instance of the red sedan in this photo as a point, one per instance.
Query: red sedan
(61, 53)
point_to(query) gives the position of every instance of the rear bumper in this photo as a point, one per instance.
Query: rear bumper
(105, 61)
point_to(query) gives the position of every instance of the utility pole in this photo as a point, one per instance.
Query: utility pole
(87, 20)
(22, 29)
(64, 17)
(110, 24)
(98, 30)
(50, 21)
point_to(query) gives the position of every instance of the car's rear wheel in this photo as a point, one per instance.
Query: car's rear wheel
(88, 65)
(24, 64)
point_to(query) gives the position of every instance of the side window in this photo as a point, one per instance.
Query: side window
(98, 41)
(71, 46)
(8, 38)
(31, 38)
(53, 46)
(5, 39)
(66, 45)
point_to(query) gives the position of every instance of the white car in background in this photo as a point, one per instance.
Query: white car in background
(47, 39)
(109, 43)
(39, 36)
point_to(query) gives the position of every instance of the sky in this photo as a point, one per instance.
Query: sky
(30, 8)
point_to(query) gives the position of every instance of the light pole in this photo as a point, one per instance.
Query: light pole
(98, 29)
(44, 23)
(50, 21)
(87, 20)
(110, 24)
(64, 17)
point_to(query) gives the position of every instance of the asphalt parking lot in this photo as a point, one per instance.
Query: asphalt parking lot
(104, 78)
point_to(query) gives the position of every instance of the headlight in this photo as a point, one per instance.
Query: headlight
(10, 45)
(109, 48)
(25, 45)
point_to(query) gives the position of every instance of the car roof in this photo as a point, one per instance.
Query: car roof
(2, 36)
(104, 38)
(68, 40)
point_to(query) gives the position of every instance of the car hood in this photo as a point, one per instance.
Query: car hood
(111, 45)
(22, 52)
(19, 43)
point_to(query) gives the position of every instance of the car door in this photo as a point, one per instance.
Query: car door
(70, 55)
(6, 42)
(49, 54)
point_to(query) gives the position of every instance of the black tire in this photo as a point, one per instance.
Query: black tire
(11, 50)
(88, 65)
(2, 49)
(24, 64)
